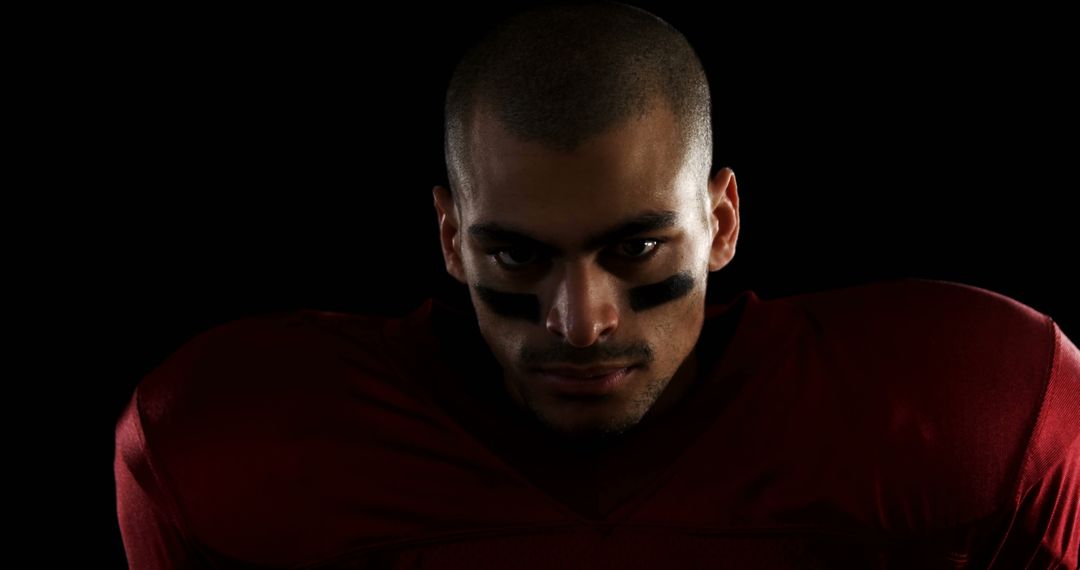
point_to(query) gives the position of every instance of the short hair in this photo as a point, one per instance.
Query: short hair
(561, 73)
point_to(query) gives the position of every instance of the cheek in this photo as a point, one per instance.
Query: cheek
(504, 339)
(679, 312)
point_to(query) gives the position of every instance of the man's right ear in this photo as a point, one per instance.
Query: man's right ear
(449, 236)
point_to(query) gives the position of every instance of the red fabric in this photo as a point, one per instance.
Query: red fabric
(913, 423)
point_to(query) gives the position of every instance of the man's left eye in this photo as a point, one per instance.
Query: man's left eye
(639, 248)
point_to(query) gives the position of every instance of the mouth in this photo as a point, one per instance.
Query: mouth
(596, 380)
(583, 373)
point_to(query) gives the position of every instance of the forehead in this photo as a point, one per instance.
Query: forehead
(634, 167)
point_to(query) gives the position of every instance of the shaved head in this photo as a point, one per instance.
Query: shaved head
(560, 74)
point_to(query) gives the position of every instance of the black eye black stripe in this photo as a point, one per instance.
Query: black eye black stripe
(526, 306)
(648, 296)
(511, 305)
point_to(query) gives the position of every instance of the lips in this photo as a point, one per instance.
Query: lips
(585, 382)
(583, 373)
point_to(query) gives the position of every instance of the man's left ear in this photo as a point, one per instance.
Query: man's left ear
(723, 218)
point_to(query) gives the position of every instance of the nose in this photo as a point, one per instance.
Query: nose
(584, 308)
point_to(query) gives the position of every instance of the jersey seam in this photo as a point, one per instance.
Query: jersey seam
(1018, 491)
(168, 494)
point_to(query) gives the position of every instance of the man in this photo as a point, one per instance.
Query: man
(587, 409)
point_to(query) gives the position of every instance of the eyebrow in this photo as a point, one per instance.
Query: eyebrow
(648, 221)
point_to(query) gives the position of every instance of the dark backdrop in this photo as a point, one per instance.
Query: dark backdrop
(266, 160)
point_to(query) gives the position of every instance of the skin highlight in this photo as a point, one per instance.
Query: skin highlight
(582, 297)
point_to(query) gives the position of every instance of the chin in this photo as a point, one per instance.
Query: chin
(581, 426)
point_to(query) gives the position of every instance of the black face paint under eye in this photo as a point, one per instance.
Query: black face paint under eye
(649, 296)
(512, 305)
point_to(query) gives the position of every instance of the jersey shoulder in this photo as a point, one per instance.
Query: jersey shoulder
(241, 412)
(917, 301)
(911, 324)
(952, 379)
(243, 364)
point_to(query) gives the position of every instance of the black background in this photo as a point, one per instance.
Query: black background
(243, 162)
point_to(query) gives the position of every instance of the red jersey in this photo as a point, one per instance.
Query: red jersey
(910, 423)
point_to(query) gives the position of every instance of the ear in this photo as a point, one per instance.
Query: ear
(449, 236)
(724, 218)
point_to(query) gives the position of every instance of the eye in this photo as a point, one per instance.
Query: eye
(514, 257)
(518, 257)
(639, 249)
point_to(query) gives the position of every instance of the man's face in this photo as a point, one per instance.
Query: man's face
(592, 259)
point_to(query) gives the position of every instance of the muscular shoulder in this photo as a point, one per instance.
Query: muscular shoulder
(937, 307)
(238, 414)
(236, 370)
(919, 325)
(950, 378)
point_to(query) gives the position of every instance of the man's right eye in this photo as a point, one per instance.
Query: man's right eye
(513, 257)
